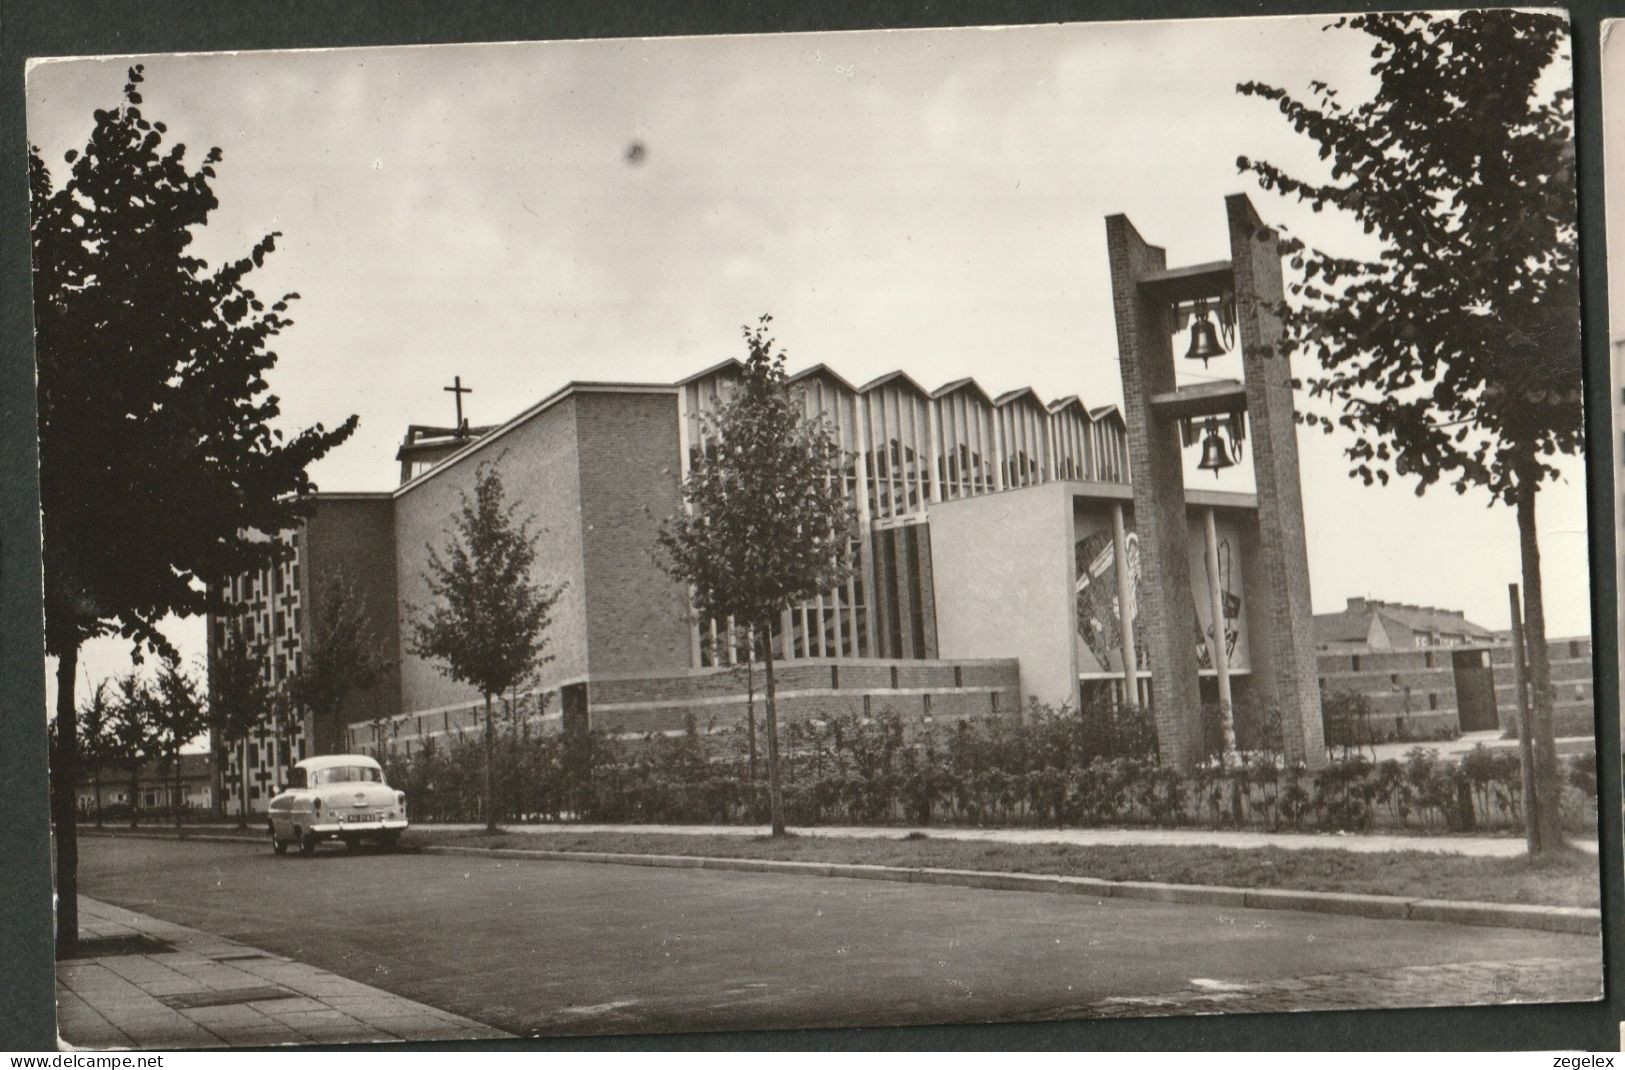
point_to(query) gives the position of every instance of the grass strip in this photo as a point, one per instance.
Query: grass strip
(1569, 878)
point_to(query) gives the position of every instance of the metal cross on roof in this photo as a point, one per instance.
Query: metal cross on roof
(457, 390)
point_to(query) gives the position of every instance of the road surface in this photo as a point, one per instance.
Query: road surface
(551, 948)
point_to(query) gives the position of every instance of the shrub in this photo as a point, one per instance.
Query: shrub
(1050, 766)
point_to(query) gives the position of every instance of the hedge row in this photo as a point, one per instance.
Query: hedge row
(1048, 768)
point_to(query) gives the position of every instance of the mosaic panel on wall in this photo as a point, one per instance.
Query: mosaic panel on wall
(1099, 616)
(268, 614)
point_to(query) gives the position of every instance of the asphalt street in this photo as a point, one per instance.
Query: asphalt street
(563, 948)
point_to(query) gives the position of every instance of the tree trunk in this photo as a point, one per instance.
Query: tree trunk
(1548, 785)
(135, 794)
(490, 767)
(217, 776)
(98, 775)
(242, 787)
(63, 791)
(175, 803)
(750, 717)
(775, 791)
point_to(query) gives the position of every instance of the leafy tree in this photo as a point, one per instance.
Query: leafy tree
(179, 716)
(344, 655)
(239, 699)
(487, 627)
(157, 451)
(134, 733)
(1453, 354)
(768, 524)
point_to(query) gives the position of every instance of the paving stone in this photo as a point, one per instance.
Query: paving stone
(231, 1014)
(255, 1035)
(281, 1008)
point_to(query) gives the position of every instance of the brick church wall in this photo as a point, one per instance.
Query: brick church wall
(352, 536)
(637, 616)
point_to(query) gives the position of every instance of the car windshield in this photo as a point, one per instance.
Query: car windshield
(346, 774)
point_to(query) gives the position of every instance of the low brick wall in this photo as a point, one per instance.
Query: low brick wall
(806, 689)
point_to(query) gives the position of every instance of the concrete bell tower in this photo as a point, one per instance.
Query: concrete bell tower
(1148, 297)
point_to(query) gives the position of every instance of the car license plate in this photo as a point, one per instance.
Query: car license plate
(360, 818)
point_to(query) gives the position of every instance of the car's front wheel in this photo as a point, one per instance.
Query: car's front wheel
(279, 845)
(307, 844)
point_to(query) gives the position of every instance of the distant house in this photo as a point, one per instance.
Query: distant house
(155, 785)
(1369, 624)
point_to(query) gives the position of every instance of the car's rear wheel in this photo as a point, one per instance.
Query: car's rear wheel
(391, 839)
(307, 844)
(350, 842)
(279, 845)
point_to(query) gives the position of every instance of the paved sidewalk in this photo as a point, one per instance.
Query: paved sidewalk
(1455, 748)
(1374, 843)
(145, 983)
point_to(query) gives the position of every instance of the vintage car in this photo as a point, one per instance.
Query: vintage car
(336, 796)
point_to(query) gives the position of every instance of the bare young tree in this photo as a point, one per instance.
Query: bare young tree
(239, 699)
(179, 715)
(134, 733)
(96, 744)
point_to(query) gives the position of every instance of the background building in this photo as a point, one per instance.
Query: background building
(1429, 673)
(109, 786)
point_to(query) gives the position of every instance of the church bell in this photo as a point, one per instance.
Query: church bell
(1204, 341)
(1215, 458)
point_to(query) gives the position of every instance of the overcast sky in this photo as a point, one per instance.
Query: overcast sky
(930, 200)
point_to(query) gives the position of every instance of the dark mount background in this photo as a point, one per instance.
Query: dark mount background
(33, 28)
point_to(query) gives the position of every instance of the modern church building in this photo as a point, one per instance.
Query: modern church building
(1009, 548)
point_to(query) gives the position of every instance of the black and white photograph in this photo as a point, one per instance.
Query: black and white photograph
(678, 535)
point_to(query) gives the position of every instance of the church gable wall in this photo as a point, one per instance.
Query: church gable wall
(540, 468)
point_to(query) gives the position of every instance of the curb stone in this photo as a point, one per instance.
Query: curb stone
(1552, 919)
(1365, 906)
(1581, 920)
(1211, 895)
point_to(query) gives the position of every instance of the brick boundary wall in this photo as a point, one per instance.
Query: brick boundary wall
(806, 689)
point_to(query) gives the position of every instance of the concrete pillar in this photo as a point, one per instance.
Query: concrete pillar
(866, 536)
(902, 592)
(1215, 644)
(683, 445)
(1125, 606)
(934, 425)
(1292, 685)
(1167, 607)
(928, 602)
